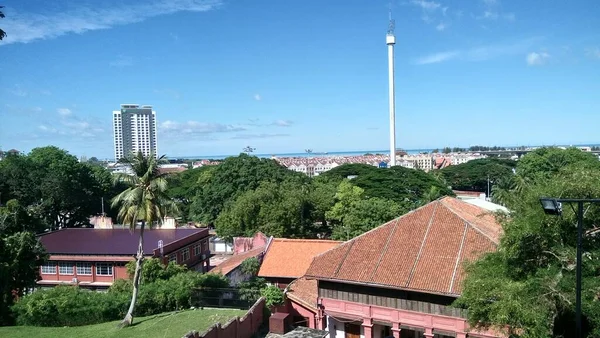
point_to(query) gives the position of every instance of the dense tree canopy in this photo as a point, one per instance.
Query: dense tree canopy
(473, 175)
(183, 188)
(65, 191)
(529, 283)
(223, 184)
(397, 183)
(20, 255)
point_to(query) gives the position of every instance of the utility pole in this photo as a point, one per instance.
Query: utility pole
(390, 40)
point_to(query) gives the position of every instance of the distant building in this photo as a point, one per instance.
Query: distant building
(95, 258)
(134, 129)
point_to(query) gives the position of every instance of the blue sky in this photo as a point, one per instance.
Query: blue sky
(283, 76)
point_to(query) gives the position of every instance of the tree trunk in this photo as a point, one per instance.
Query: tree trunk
(137, 276)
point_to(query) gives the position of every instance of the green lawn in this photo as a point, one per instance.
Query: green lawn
(166, 325)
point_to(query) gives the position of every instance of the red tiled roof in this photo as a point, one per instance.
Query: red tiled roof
(423, 250)
(304, 291)
(116, 241)
(235, 261)
(290, 258)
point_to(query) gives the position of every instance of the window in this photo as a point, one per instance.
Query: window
(65, 268)
(197, 250)
(173, 258)
(204, 246)
(104, 269)
(185, 254)
(84, 268)
(49, 268)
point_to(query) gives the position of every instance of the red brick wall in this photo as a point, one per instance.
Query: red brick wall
(243, 327)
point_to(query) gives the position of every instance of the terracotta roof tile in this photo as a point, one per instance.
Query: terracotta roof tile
(423, 250)
(235, 261)
(291, 257)
(305, 292)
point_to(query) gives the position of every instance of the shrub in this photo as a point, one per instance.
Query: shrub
(273, 295)
(68, 306)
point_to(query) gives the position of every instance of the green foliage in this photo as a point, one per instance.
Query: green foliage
(64, 191)
(399, 184)
(529, 283)
(281, 210)
(155, 270)
(353, 214)
(21, 254)
(250, 290)
(273, 296)
(223, 184)
(68, 306)
(250, 266)
(473, 175)
(183, 187)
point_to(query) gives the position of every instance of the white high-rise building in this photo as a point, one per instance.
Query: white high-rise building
(134, 129)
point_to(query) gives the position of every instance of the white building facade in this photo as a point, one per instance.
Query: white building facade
(134, 128)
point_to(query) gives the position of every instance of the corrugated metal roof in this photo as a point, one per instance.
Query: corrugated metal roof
(115, 241)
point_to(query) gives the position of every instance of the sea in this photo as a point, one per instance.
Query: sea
(313, 154)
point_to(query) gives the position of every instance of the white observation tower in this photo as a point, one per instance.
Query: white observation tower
(390, 40)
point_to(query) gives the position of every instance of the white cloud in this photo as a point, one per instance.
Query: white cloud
(257, 97)
(197, 128)
(481, 53)
(257, 136)
(283, 123)
(437, 57)
(64, 111)
(593, 52)
(441, 26)
(121, 61)
(427, 5)
(29, 26)
(537, 59)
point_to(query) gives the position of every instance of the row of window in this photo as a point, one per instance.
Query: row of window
(68, 268)
(185, 253)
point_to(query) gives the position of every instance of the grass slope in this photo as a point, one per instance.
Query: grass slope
(166, 325)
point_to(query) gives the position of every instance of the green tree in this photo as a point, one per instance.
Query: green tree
(402, 185)
(473, 175)
(155, 270)
(183, 187)
(528, 284)
(353, 214)
(273, 295)
(548, 161)
(2, 33)
(223, 184)
(21, 255)
(144, 200)
(250, 266)
(282, 210)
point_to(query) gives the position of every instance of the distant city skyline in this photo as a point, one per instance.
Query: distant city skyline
(286, 76)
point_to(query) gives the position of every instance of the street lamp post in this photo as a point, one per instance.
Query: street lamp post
(553, 206)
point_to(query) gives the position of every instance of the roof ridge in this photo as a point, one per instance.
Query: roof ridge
(282, 239)
(475, 227)
(458, 257)
(385, 248)
(412, 271)
(343, 260)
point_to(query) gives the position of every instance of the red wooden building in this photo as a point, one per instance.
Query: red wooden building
(95, 258)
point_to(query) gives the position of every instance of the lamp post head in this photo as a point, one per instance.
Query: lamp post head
(551, 206)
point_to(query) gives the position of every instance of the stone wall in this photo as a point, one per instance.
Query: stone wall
(243, 327)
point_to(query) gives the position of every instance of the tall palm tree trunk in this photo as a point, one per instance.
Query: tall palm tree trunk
(137, 276)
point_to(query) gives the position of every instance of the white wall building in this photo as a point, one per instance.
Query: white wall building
(134, 129)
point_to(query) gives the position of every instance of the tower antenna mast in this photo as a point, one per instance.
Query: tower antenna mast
(390, 40)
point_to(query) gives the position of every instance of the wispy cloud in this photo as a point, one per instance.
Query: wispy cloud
(70, 125)
(426, 5)
(492, 10)
(593, 52)
(537, 59)
(257, 97)
(121, 61)
(437, 57)
(17, 90)
(64, 111)
(481, 53)
(441, 26)
(197, 128)
(29, 26)
(257, 136)
(282, 123)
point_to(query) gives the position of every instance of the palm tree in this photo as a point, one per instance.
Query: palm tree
(2, 33)
(144, 200)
